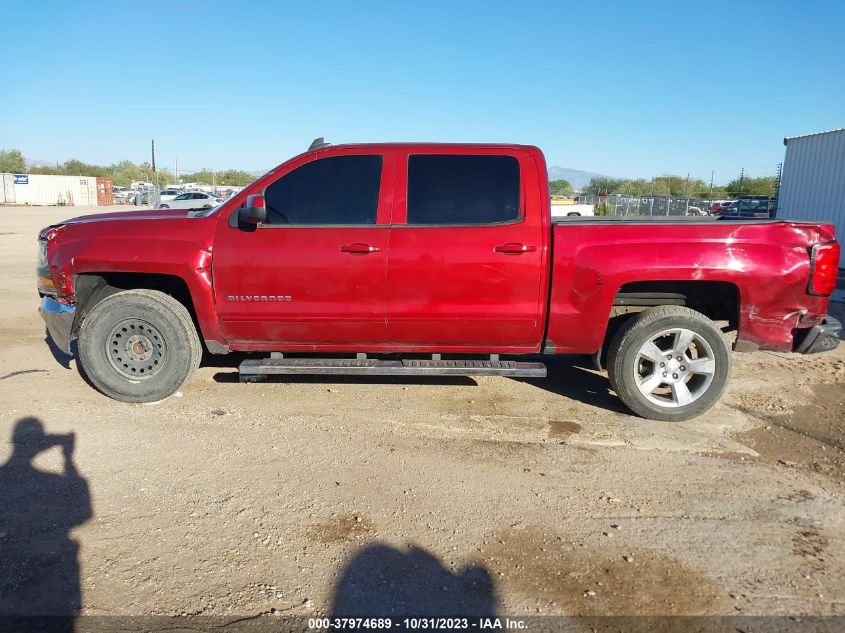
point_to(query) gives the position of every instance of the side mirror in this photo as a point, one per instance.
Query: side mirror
(253, 212)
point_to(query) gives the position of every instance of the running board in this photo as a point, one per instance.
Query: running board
(251, 370)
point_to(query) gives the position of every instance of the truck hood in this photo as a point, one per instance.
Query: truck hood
(141, 214)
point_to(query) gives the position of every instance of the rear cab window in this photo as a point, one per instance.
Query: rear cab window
(462, 190)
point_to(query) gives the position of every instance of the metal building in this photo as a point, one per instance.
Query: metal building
(813, 179)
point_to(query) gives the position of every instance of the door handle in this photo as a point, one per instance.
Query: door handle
(514, 248)
(359, 249)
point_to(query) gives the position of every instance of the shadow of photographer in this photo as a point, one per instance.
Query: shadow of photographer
(38, 558)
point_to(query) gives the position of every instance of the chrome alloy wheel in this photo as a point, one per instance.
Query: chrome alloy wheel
(136, 349)
(674, 368)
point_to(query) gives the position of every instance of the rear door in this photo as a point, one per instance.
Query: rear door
(467, 250)
(315, 273)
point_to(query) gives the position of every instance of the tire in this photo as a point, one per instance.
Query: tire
(693, 384)
(572, 214)
(139, 346)
(163, 206)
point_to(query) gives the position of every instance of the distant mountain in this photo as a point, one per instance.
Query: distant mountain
(31, 162)
(577, 178)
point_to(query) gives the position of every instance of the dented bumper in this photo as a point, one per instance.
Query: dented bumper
(820, 338)
(59, 319)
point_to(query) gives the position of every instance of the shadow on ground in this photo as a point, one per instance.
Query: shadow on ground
(383, 581)
(39, 561)
(570, 376)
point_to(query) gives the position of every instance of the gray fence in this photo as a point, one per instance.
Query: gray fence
(651, 205)
(150, 197)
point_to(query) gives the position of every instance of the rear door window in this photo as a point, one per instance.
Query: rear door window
(462, 190)
(339, 190)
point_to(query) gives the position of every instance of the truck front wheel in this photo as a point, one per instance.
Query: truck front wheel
(138, 346)
(669, 363)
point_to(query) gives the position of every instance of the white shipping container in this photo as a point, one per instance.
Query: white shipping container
(39, 189)
(7, 189)
(813, 179)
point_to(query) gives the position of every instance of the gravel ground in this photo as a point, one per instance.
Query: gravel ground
(312, 496)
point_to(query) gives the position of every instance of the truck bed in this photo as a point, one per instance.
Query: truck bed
(660, 219)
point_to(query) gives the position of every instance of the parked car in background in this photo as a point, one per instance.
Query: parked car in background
(192, 200)
(169, 194)
(120, 194)
(573, 210)
(751, 207)
(716, 207)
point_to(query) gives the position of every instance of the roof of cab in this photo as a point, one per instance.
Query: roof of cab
(424, 145)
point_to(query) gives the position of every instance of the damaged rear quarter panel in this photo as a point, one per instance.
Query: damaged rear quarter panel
(768, 262)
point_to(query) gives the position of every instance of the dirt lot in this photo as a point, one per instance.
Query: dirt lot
(310, 496)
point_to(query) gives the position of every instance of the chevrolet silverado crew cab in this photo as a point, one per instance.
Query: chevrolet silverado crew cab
(394, 259)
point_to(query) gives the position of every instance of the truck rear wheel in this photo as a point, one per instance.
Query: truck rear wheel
(139, 346)
(669, 363)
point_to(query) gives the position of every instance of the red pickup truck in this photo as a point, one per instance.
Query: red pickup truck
(381, 259)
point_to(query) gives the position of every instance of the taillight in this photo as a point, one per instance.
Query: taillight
(824, 266)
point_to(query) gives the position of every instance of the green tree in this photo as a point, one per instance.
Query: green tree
(58, 170)
(12, 162)
(560, 187)
(239, 178)
(764, 186)
(228, 178)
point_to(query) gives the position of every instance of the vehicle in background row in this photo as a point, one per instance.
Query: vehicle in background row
(168, 194)
(572, 210)
(192, 200)
(120, 194)
(376, 255)
(751, 207)
(718, 205)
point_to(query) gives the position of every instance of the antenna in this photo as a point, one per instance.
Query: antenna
(318, 143)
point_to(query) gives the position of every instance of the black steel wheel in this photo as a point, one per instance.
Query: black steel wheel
(138, 345)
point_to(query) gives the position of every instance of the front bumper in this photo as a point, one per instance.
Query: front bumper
(59, 319)
(821, 338)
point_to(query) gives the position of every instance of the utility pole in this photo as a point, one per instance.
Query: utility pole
(741, 179)
(712, 173)
(153, 148)
(177, 169)
(686, 194)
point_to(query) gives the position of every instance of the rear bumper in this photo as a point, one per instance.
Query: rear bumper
(821, 338)
(59, 319)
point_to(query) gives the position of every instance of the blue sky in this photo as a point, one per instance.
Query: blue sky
(622, 88)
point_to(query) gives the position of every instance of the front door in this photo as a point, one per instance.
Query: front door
(315, 273)
(467, 252)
